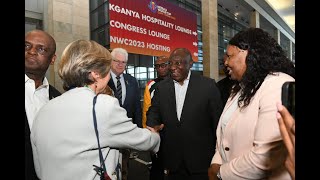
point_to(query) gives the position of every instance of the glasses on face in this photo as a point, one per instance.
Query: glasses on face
(42, 50)
(119, 62)
(162, 65)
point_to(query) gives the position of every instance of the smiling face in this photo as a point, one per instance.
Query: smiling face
(118, 64)
(236, 62)
(179, 64)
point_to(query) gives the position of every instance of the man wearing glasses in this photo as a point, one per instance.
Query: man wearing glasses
(161, 66)
(126, 89)
(40, 48)
(130, 93)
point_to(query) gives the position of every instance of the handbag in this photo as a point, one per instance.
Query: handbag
(101, 171)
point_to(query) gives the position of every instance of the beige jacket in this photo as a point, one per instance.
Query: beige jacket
(252, 141)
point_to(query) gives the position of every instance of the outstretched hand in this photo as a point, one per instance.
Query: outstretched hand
(287, 129)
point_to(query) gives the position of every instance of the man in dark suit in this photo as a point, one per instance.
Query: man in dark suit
(129, 97)
(40, 50)
(225, 84)
(189, 105)
(130, 90)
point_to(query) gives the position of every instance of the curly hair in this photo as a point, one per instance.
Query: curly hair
(265, 56)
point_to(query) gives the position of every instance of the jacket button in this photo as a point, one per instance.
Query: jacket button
(226, 148)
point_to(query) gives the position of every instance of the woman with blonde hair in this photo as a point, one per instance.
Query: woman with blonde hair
(63, 135)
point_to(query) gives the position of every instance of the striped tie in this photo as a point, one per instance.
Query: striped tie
(119, 90)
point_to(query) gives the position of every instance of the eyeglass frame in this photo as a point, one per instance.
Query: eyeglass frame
(120, 62)
(40, 49)
(162, 65)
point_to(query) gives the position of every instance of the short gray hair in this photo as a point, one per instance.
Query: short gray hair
(119, 51)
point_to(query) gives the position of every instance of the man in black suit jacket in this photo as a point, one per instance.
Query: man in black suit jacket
(225, 84)
(130, 101)
(40, 50)
(189, 105)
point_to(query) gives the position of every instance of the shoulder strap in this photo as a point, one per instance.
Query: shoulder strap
(102, 171)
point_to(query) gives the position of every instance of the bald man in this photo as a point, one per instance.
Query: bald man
(189, 106)
(40, 50)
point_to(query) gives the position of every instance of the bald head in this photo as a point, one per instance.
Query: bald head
(182, 53)
(180, 62)
(40, 48)
(51, 43)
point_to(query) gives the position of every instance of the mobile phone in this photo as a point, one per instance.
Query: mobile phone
(288, 97)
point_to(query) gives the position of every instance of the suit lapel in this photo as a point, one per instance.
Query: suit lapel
(128, 90)
(111, 85)
(192, 89)
(172, 97)
(53, 93)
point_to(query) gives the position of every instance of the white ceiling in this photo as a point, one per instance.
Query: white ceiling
(285, 9)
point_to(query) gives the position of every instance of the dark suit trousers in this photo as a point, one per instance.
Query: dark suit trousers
(125, 163)
(182, 173)
(156, 172)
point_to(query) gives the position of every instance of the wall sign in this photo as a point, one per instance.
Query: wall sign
(152, 27)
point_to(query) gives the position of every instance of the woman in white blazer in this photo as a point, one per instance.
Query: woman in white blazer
(63, 136)
(249, 144)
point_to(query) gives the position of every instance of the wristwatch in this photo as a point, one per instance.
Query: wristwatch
(218, 175)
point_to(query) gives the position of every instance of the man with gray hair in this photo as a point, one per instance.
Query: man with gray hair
(126, 89)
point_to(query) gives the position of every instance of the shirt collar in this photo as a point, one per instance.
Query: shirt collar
(114, 75)
(45, 82)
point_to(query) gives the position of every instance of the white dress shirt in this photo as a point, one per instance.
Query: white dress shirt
(35, 98)
(180, 91)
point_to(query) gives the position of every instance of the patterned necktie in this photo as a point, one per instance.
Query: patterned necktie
(119, 90)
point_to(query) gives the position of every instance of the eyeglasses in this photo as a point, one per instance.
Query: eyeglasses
(176, 63)
(162, 65)
(39, 48)
(119, 62)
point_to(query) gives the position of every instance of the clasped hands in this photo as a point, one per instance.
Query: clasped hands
(156, 128)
